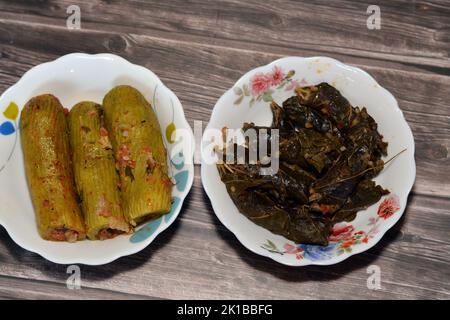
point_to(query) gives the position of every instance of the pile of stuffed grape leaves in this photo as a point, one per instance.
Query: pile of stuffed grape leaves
(329, 152)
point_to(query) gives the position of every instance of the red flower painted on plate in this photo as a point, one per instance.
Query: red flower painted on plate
(259, 83)
(276, 76)
(347, 244)
(341, 232)
(388, 207)
(290, 249)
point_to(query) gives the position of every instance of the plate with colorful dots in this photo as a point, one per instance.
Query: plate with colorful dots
(73, 78)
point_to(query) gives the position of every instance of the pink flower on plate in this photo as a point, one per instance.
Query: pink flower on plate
(341, 232)
(289, 248)
(276, 76)
(388, 207)
(259, 83)
(375, 229)
(372, 221)
(294, 84)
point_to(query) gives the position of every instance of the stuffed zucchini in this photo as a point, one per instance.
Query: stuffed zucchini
(96, 178)
(48, 167)
(140, 154)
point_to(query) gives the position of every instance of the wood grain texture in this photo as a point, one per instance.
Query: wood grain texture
(18, 288)
(199, 49)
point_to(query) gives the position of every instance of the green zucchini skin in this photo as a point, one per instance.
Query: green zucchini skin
(141, 156)
(48, 166)
(96, 177)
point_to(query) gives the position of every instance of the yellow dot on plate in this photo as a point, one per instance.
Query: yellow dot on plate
(12, 111)
(170, 132)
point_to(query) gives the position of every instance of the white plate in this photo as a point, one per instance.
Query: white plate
(248, 100)
(73, 78)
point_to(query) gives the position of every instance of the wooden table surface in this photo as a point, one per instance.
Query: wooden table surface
(199, 48)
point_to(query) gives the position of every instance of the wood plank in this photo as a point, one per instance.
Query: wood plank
(419, 37)
(199, 49)
(16, 288)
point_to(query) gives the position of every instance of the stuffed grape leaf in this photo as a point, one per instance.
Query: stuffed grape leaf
(328, 153)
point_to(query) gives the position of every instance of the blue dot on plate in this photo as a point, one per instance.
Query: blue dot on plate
(146, 231)
(178, 160)
(181, 179)
(7, 128)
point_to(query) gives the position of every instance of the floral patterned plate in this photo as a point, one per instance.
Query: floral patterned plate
(248, 101)
(73, 78)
